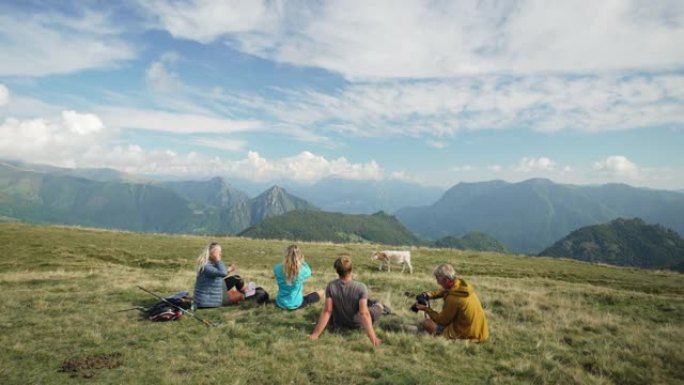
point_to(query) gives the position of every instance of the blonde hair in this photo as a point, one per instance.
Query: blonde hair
(292, 261)
(203, 258)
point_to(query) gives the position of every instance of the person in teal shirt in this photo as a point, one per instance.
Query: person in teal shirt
(290, 276)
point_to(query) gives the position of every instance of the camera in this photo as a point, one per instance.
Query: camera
(422, 299)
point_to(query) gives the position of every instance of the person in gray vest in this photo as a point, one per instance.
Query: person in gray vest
(346, 305)
(210, 288)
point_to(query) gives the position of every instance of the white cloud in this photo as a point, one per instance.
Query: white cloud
(39, 45)
(418, 39)
(404, 177)
(81, 124)
(463, 168)
(438, 109)
(221, 144)
(437, 144)
(160, 77)
(617, 166)
(534, 164)
(82, 140)
(19, 106)
(207, 20)
(53, 141)
(4, 95)
(179, 123)
(305, 166)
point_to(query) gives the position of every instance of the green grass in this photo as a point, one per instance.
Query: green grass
(552, 321)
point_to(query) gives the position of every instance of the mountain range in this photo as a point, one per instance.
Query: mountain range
(523, 217)
(529, 216)
(627, 242)
(111, 200)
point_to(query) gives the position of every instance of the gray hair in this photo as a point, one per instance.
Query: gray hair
(203, 258)
(444, 270)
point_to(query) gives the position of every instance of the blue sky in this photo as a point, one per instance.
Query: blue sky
(431, 92)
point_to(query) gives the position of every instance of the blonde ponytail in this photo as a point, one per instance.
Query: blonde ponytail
(291, 263)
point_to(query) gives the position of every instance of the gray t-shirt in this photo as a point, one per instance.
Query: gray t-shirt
(345, 297)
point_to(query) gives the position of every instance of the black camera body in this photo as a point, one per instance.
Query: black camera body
(422, 299)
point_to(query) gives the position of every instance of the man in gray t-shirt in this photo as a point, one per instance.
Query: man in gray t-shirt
(346, 296)
(346, 304)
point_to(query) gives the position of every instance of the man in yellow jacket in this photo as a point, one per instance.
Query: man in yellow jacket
(462, 316)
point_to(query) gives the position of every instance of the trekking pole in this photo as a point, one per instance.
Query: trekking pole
(142, 309)
(178, 307)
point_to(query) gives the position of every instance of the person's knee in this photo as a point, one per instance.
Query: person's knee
(235, 296)
(429, 325)
(234, 281)
(375, 311)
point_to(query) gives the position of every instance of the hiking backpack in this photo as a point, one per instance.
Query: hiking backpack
(163, 311)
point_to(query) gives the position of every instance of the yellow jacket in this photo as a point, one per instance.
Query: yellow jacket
(462, 314)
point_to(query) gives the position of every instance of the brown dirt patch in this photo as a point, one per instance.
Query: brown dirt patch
(86, 366)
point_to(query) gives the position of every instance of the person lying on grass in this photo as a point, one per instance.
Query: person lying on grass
(462, 316)
(290, 276)
(210, 288)
(346, 305)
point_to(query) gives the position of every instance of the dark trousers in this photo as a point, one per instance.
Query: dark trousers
(234, 281)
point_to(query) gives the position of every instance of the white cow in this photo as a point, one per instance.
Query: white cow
(387, 257)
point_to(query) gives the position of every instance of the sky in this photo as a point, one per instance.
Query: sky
(427, 92)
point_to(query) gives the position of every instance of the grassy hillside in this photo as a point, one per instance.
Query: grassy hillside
(473, 240)
(626, 242)
(322, 226)
(552, 321)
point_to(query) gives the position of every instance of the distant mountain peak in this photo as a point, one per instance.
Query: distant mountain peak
(487, 182)
(276, 201)
(275, 189)
(218, 183)
(217, 179)
(276, 193)
(538, 181)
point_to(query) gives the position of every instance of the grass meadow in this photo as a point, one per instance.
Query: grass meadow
(551, 321)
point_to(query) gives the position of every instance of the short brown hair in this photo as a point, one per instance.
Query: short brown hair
(343, 265)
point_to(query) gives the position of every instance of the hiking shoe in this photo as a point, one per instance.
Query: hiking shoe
(409, 328)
